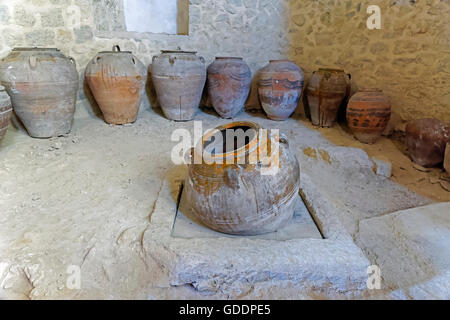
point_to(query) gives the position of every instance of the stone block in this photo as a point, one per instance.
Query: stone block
(382, 166)
(411, 247)
(52, 18)
(83, 34)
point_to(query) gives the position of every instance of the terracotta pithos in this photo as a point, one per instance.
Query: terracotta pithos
(179, 78)
(326, 90)
(229, 82)
(280, 87)
(117, 81)
(5, 111)
(235, 191)
(426, 140)
(43, 85)
(368, 113)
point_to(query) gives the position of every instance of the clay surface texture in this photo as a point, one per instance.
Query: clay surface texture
(43, 86)
(117, 81)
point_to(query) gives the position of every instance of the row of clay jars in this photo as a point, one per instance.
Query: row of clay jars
(426, 140)
(5, 111)
(235, 197)
(117, 81)
(43, 85)
(179, 77)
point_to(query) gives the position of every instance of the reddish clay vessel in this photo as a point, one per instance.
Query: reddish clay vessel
(179, 78)
(246, 187)
(117, 81)
(426, 140)
(368, 113)
(280, 87)
(5, 111)
(326, 90)
(43, 86)
(229, 82)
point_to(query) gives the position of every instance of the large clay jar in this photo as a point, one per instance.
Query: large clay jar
(233, 190)
(368, 113)
(326, 90)
(5, 111)
(117, 81)
(229, 81)
(178, 78)
(43, 85)
(280, 87)
(426, 140)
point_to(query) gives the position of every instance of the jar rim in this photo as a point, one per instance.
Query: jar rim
(34, 49)
(229, 58)
(236, 152)
(178, 51)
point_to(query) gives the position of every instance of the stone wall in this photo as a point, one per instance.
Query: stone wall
(409, 57)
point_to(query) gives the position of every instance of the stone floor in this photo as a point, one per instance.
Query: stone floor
(103, 199)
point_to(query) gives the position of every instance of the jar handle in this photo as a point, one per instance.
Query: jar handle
(189, 156)
(73, 60)
(202, 59)
(232, 177)
(283, 139)
(349, 76)
(116, 48)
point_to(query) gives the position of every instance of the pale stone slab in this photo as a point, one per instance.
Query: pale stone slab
(412, 248)
(302, 226)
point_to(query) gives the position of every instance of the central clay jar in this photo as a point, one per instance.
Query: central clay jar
(239, 195)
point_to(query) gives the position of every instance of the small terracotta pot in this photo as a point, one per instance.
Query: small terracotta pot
(229, 82)
(368, 113)
(226, 184)
(117, 81)
(426, 140)
(326, 90)
(179, 78)
(280, 87)
(5, 111)
(43, 86)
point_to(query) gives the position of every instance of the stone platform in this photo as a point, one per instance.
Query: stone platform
(103, 199)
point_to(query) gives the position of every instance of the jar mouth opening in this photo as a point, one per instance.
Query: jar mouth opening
(280, 60)
(115, 52)
(34, 49)
(178, 51)
(229, 58)
(231, 140)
